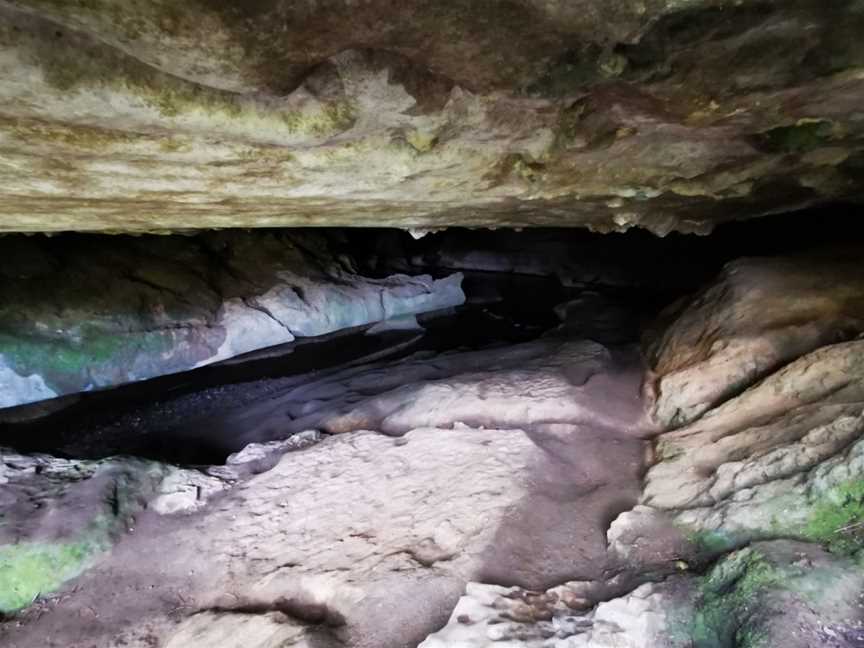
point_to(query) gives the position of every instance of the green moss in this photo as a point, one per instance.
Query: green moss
(837, 521)
(92, 65)
(710, 543)
(74, 135)
(59, 356)
(28, 570)
(65, 364)
(725, 598)
(335, 117)
(31, 569)
(420, 141)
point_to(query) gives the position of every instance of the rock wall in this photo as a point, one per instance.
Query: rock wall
(760, 406)
(759, 314)
(79, 313)
(139, 116)
(764, 370)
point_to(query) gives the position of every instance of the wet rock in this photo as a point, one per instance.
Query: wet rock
(154, 306)
(759, 314)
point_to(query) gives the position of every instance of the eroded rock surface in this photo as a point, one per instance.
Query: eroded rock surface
(771, 594)
(775, 459)
(775, 448)
(78, 314)
(759, 314)
(514, 477)
(667, 115)
(369, 539)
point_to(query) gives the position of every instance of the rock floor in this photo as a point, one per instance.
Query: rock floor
(369, 537)
(524, 494)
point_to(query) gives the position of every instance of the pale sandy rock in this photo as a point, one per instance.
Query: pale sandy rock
(238, 630)
(402, 323)
(259, 451)
(372, 535)
(185, 491)
(489, 616)
(551, 381)
(548, 381)
(759, 314)
(798, 417)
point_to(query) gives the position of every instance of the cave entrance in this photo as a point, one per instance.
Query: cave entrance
(518, 286)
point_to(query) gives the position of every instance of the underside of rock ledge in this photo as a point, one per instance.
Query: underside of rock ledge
(672, 116)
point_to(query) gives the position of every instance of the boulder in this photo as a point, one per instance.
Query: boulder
(783, 458)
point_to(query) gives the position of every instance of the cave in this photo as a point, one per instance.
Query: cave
(517, 324)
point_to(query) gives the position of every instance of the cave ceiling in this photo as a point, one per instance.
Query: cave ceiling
(671, 115)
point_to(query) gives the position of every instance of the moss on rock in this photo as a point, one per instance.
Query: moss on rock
(726, 596)
(837, 520)
(64, 362)
(30, 569)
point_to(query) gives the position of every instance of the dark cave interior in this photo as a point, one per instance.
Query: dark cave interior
(519, 285)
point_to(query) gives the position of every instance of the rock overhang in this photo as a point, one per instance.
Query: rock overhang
(672, 116)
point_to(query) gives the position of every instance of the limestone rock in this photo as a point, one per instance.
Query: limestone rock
(355, 524)
(783, 458)
(259, 451)
(362, 538)
(773, 594)
(759, 314)
(185, 491)
(554, 380)
(144, 116)
(491, 617)
(79, 315)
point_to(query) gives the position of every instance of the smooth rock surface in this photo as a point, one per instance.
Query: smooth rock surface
(669, 115)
